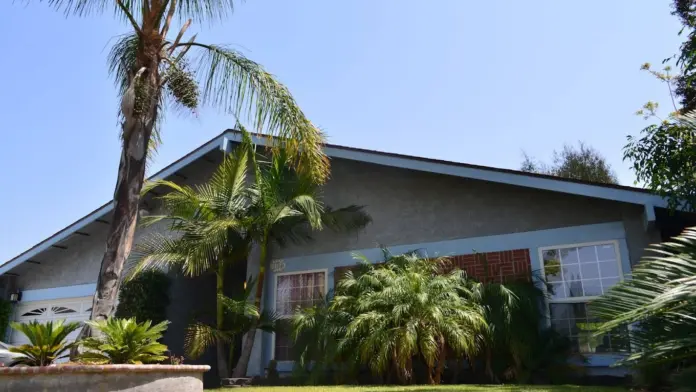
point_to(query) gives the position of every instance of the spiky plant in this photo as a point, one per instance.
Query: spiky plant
(46, 341)
(148, 63)
(124, 341)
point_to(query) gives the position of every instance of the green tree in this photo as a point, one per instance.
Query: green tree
(662, 156)
(285, 206)
(581, 163)
(47, 341)
(209, 221)
(124, 341)
(155, 69)
(409, 307)
(659, 303)
(146, 297)
(219, 221)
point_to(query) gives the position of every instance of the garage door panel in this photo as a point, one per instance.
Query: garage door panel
(69, 309)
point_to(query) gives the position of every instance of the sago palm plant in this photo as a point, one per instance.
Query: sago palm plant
(47, 341)
(124, 341)
(156, 67)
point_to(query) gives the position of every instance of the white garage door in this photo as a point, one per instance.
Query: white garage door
(69, 309)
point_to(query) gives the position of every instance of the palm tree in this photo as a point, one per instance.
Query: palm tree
(408, 308)
(220, 220)
(658, 301)
(210, 222)
(285, 207)
(153, 69)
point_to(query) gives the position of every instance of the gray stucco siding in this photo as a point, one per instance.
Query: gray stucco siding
(413, 207)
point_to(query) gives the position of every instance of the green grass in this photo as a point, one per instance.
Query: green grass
(441, 388)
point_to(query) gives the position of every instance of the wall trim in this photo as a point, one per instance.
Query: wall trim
(82, 290)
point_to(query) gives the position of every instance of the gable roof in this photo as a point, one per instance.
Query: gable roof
(225, 140)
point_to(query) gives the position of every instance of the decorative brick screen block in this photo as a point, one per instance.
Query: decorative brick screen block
(503, 266)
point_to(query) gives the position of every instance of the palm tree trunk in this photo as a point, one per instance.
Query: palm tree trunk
(136, 134)
(248, 344)
(441, 363)
(131, 173)
(223, 371)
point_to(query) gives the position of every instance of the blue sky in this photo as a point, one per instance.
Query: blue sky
(470, 81)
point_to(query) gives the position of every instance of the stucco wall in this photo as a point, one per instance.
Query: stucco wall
(413, 207)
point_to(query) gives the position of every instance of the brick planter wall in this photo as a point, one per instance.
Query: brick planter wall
(104, 378)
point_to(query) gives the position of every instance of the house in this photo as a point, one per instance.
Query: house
(520, 221)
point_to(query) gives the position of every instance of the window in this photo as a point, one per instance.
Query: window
(295, 291)
(577, 274)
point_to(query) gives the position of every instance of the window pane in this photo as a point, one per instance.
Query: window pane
(606, 252)
(569, 256)
(571, 272)
(587, 254)
(558, 291)
(589, 271)
(574, 288)
(609, 269)
(592, 287)
(282, 347)
(609, 283)
(552, 265)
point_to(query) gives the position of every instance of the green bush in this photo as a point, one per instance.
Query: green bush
(5, 314)
(46, 341)
(145, 297)
(125, 341)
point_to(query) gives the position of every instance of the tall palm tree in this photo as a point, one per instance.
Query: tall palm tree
(408, 308)
(285, 206)
(210, 222)
(218, 222)
(154, 68)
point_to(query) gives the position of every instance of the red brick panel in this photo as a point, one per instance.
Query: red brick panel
(503, 266)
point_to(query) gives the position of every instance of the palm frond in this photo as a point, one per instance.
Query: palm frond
(241, 86)
(658, 302)
(199, 337)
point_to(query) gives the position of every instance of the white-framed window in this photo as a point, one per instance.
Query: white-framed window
(576, 274)
(293, 291)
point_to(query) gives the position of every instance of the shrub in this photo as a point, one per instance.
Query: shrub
(145, 297)
(125, 341)
(47, 341)
(5, 314)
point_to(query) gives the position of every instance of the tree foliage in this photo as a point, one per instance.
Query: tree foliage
(217, 223)
(409, 307)
(662, 156)
(146, 297)
(189, 74)
(124, 341)
(47, 341)
(581, 163)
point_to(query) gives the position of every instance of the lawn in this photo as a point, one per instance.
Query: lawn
(442, 388)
